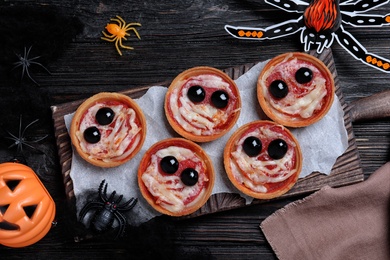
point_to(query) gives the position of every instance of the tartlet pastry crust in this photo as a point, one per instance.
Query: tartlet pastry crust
(81, 111)
(292, 119)
(236, 174)
(200, 199)
(220, 129)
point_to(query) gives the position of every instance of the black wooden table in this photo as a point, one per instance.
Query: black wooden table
(175, 35)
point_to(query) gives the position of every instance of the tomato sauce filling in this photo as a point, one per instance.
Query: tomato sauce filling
(167, 189)
(120, 132)
(304, 99)
(263, 173)
(202, 118)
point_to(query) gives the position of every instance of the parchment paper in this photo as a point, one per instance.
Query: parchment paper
(321, 144)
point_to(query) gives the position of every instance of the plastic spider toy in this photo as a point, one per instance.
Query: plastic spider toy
(21, 140)
(119, 32)
(321, 23)
(107, 210)
(26, 62)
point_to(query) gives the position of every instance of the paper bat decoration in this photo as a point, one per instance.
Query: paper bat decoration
(322, 22)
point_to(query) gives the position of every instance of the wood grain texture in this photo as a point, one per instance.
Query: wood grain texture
(347, 169)
(175, 35)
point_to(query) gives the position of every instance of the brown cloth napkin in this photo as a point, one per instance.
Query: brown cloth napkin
(351, 222)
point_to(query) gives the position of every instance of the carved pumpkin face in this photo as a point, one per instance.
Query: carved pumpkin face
(26, 208)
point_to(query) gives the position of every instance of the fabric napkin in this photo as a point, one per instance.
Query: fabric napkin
(351, 222)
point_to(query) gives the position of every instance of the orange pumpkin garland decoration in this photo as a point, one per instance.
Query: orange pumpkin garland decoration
(26, 207)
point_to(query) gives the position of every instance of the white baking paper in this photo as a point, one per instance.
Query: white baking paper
(321, 144)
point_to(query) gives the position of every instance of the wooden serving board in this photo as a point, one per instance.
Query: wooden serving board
(347, 169)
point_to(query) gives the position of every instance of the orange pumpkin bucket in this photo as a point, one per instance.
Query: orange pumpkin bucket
(26, 207)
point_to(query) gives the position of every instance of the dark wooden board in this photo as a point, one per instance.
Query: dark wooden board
(347, 169)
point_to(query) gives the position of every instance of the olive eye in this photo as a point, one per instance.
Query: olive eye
(92, 135)
(277, 149)
(169, 164)
(220, 99)
(196, 94)
(278, 89)
(104, 116)
(189, 176)
(252, 146)
(303, 75)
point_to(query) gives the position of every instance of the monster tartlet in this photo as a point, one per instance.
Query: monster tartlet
(263, 159)
(295, 89)
(202, 104)
(176, 177)
(108, 129)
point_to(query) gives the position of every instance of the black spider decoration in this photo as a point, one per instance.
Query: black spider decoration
(25, 61)
(20, 140)
(107, 210)
(321, 23)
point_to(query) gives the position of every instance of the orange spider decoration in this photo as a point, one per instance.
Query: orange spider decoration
(119, 32)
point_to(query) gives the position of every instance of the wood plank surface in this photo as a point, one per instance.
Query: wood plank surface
(175, 35)
(347, 170)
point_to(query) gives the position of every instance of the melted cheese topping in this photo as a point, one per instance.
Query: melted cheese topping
(201, 118)
(294, 104)
(253, 171)
(168, 190)
(118, 139)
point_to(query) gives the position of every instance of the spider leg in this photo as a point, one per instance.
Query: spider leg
(13, 138)
(17, 64)
(21, 133)
(119, 200)
(272, 32)
(131, 24)
(39, 64)
(349, 43)
(366, 20)
(117, 47)
(103, 196)
(28, 52)
(120, 21)
(109, 39)
(135, 31)
(296, 6)
(88, 207)
(122, 223)
(20, 126)
(111, 198)
(124, 46)
(28, 74)
(361, 6)
(128, 205)
(108, 36)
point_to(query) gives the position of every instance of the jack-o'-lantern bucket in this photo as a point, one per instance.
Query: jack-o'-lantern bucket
(27, 210)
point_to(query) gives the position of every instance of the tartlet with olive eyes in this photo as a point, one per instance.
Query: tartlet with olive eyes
(176, 177)
(108, 129)
(295, 89)
(263, 159)
(202, 104)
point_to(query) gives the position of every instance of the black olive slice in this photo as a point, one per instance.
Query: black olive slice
(196, 94)
(277, 149)
(169, 164)
(189, 176)
(252, 146)
(104, 116)
(303, 75)
(92, 135)
(220, 99)
(278, 89)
